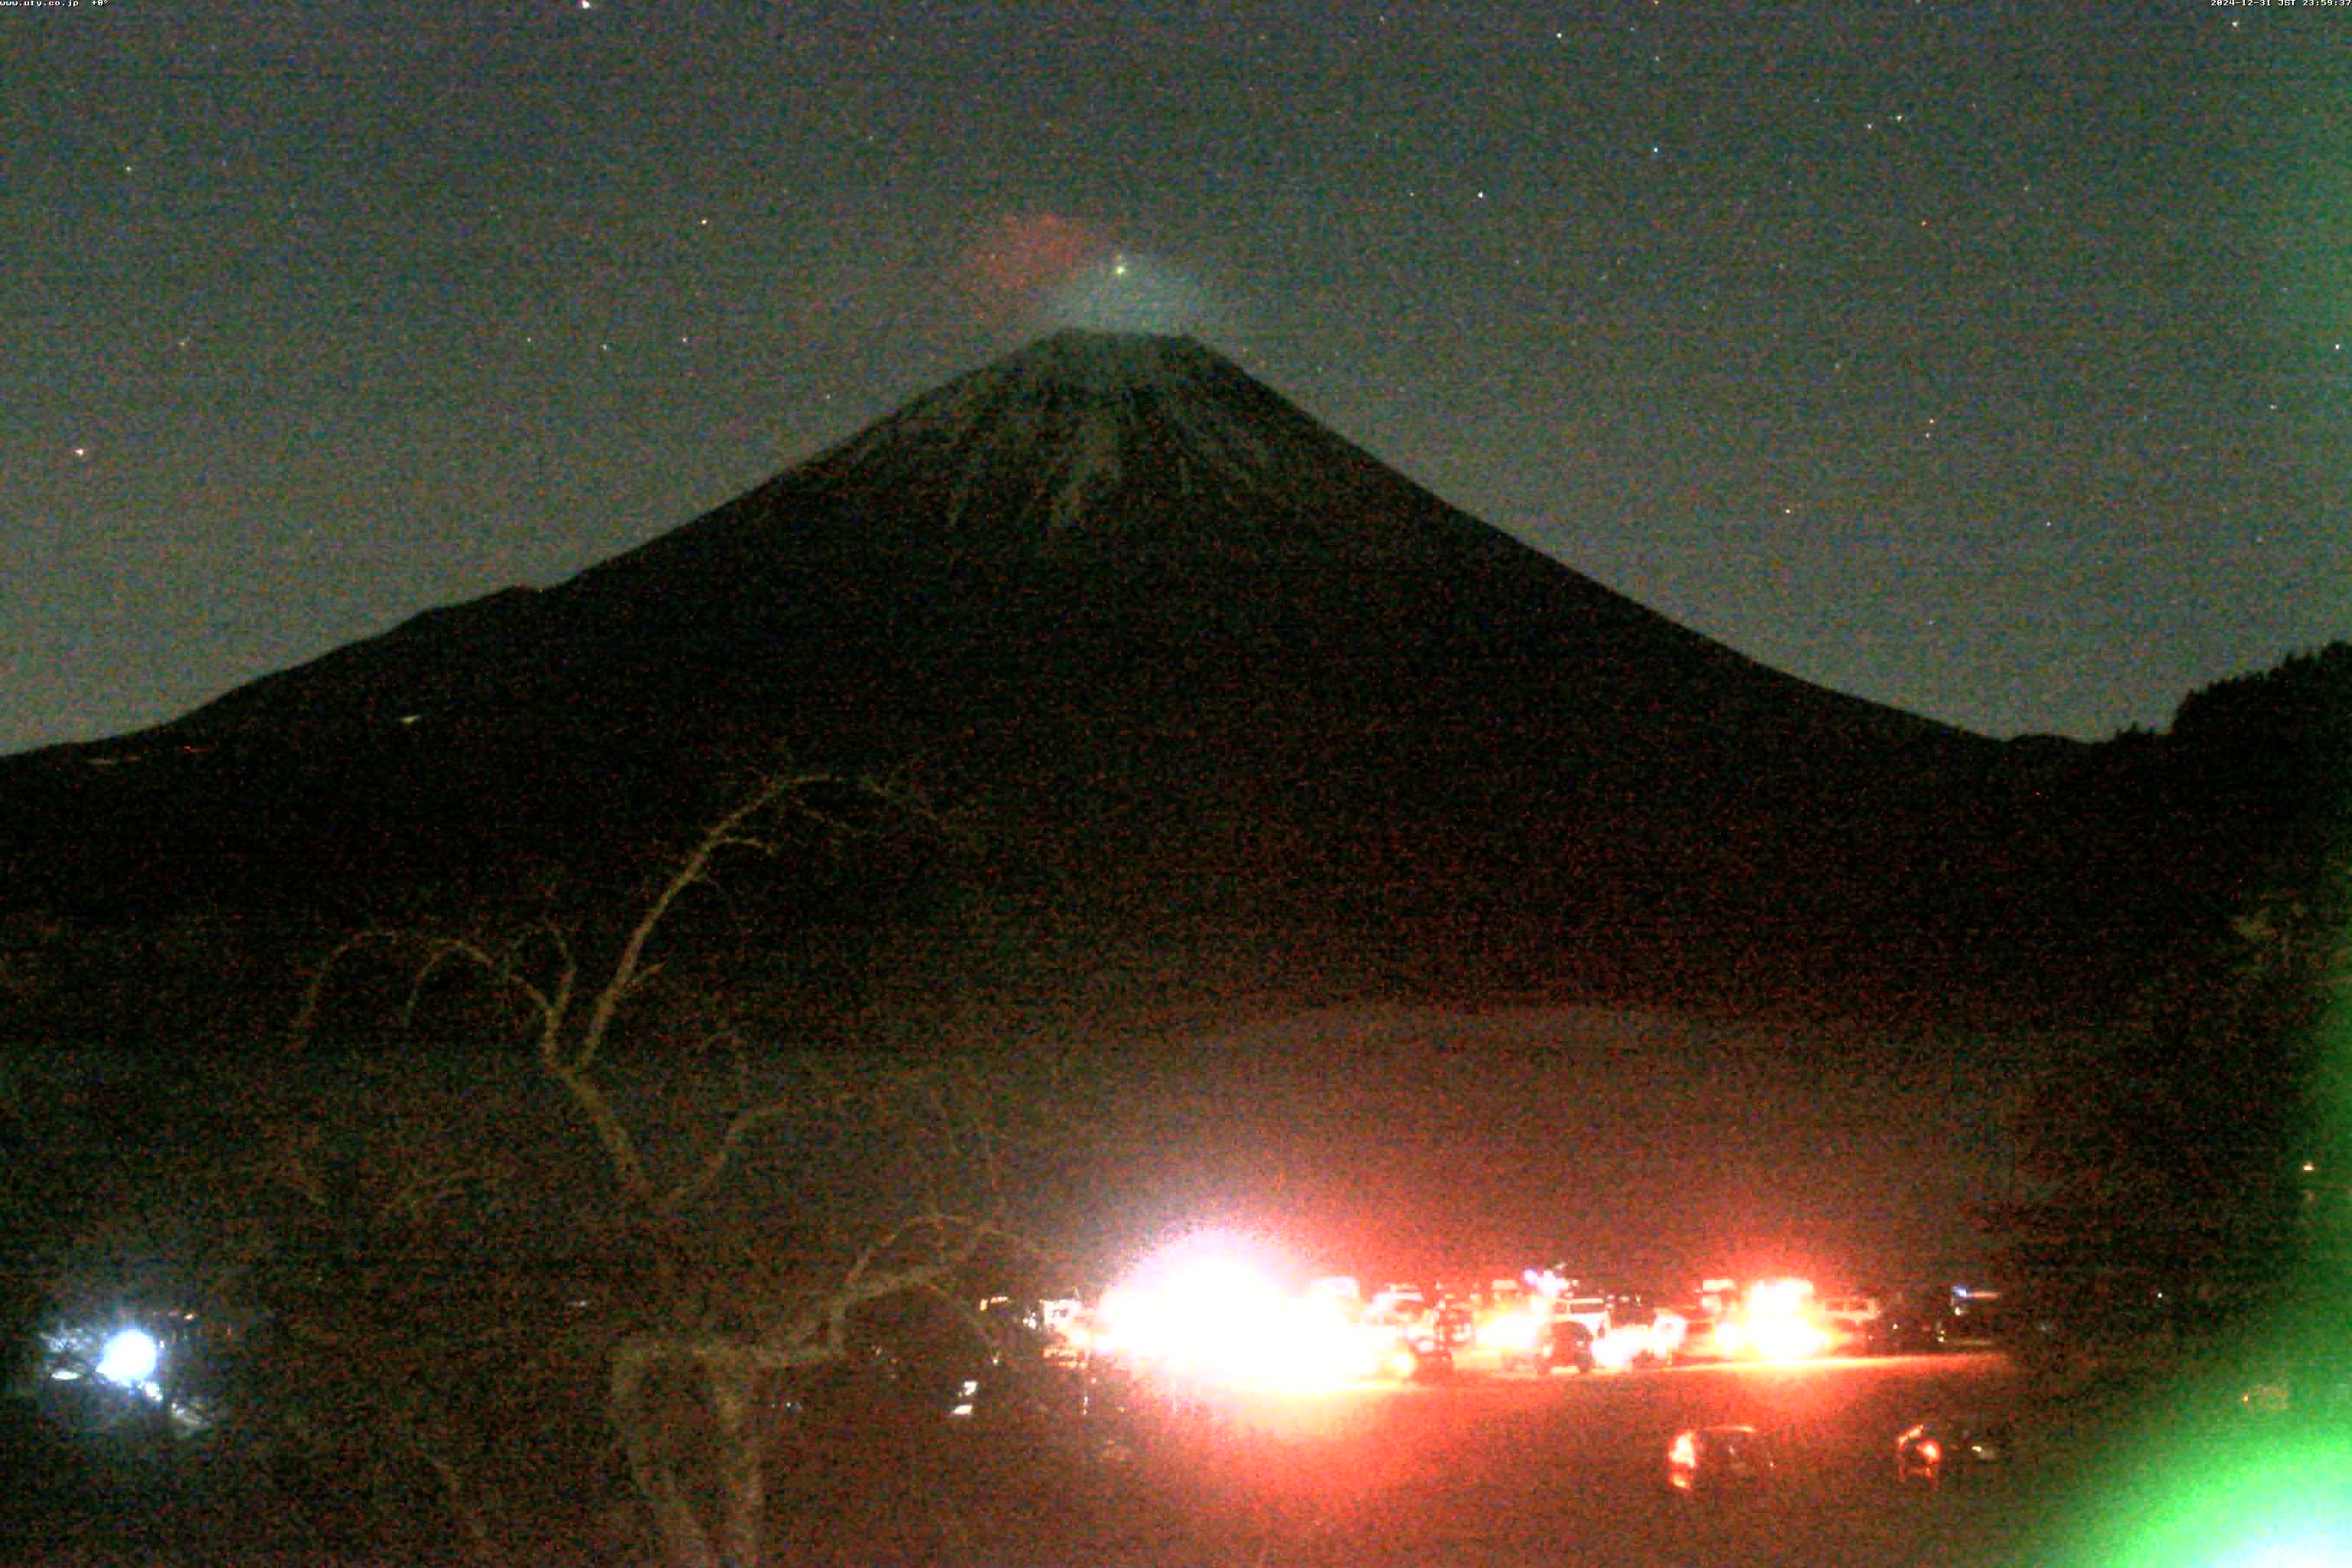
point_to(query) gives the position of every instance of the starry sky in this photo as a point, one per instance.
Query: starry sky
(1986, 359)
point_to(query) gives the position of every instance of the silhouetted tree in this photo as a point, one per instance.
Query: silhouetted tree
(651, 1209)
(2177, 1146)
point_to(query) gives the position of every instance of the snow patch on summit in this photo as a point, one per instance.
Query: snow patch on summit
(1107, 408)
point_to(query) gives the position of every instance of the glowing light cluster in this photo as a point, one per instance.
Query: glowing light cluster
(1622, 1346)
(1210, 1310)
(1777, 1323)
(1515, 1330)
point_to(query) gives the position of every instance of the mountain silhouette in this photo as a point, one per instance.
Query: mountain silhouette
(1207, 682)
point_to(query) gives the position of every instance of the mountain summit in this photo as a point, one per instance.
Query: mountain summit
(1190, 662)
(1095, 446)
(1089, 440)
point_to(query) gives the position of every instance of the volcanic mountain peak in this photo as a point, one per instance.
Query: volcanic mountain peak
(1079, 363)
(1115, 504)
(1198, 668)
(1090, 398)
(1086, 444)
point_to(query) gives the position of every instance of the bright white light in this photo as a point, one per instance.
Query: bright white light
(1787, 1339)
(129, 1358)
(1622, 1346)
(1517, 1330)
(1779, 1297)
(1201, 1313)
(1209, 1307)
(1780, 1321)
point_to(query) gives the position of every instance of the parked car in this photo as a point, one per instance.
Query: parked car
(1851, 1322)
(1422, 1356)
(1976, 1318)
(1697, 1341)
(1951, 1448)
(1564, 1342)
(1909, 1323)
(1707, 1459)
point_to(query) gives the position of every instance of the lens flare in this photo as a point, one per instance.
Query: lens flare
(130, 1358)
(2265, 1503)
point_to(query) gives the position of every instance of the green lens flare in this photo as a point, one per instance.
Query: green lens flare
(2265, 1501)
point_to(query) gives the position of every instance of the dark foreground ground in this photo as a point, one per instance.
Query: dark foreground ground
(1490, 1469)
(1570, 1470)
(1482, 1469)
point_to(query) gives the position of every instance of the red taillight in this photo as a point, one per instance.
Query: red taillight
(1930, 1451)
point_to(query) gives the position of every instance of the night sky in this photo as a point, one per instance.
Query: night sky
(1989, 361)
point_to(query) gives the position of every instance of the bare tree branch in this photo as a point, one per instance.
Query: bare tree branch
(703, 1336)
(707, 1175)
